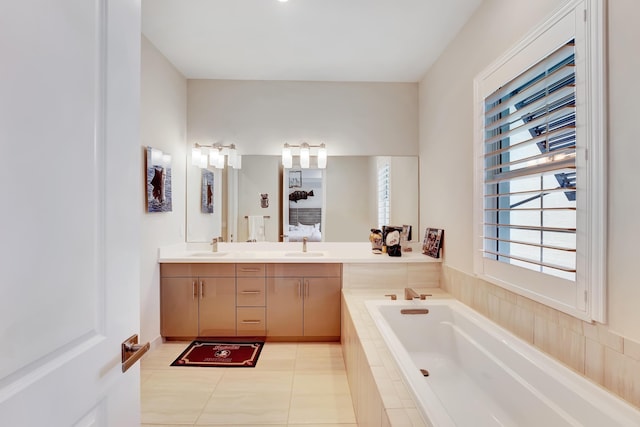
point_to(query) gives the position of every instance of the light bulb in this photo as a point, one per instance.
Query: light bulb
(304, 155)
(322, 157)
(287, 157)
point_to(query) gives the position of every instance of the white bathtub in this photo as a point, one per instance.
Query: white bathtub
(482, 375)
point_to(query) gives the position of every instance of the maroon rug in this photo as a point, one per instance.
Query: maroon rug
(220, 354)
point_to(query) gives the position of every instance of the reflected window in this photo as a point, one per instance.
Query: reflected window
(384, 191)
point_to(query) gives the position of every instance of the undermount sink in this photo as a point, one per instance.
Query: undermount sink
(208, 254)
(304, 254)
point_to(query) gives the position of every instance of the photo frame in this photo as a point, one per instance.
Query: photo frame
(295, 179)
(158, 180)
(432, 242)
(207, 192)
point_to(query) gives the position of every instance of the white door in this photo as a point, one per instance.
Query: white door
(70, 204)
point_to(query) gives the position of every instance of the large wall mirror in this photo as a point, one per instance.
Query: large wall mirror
(254, 201)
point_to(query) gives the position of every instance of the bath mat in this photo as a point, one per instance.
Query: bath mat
(220, 354)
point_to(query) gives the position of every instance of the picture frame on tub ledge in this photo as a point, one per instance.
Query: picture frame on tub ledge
(432, 242)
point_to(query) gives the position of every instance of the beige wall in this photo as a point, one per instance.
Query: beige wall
(163, 126)
(446, 153)
(624, 152)
(351, 118)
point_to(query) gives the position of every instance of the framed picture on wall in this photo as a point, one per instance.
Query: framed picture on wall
(295, 179)
(158, 180)
(207, 191)
(432, 242)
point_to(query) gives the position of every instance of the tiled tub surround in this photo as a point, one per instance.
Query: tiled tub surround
(589, 349)
(380, 397)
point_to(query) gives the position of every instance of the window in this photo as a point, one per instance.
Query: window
(540, 165)
(384, 191)
(530, 168)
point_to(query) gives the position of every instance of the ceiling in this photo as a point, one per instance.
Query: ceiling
(308, 40)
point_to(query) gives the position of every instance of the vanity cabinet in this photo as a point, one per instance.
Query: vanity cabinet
(303, 301)
(197, 300)
(251, 300)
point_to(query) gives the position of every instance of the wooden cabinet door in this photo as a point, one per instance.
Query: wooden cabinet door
(321, 306)
(179, 307)
(217, 296)
(284, 307)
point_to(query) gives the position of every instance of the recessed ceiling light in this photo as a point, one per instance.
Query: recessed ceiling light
(283, 1)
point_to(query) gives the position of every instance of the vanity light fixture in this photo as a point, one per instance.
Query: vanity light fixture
(203, 155)
(304, 151)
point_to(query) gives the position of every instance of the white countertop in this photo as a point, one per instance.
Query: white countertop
(269, 252)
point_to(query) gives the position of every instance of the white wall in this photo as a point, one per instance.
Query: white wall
(163, 126)
(351, 118)
(446, 136)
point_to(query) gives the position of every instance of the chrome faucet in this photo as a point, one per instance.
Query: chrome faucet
(304, 244)
(214, 244)
(410, 294)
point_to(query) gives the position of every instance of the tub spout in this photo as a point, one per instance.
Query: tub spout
(410, 294)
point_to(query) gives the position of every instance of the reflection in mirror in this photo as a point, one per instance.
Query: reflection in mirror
(259, 175)
(350, 198)
(203, 224)
(304, 204)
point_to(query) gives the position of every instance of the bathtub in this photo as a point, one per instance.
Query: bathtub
(464, 370)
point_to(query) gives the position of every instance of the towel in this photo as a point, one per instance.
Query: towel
(256, 228)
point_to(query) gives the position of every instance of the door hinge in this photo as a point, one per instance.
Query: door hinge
(586, 299)
(585, 15)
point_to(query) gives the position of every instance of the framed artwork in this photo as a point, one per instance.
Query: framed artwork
(207, 191)
(432, 242)
(295, 179)
(158, 180)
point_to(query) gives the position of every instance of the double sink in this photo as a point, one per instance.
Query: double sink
(258, 254)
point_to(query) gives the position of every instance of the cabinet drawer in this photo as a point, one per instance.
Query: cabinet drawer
(250, 291)
(175, 270)
(199, 269)
(304, 270)
(214, 270)
(250, 270)
(250, 321)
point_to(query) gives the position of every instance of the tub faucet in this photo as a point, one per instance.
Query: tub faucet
(214, 244)
(304, 244)
(410, 294)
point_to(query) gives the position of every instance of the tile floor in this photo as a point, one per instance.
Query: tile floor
(293, 385)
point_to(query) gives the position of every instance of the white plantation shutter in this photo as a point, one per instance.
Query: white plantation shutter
(530, 168)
